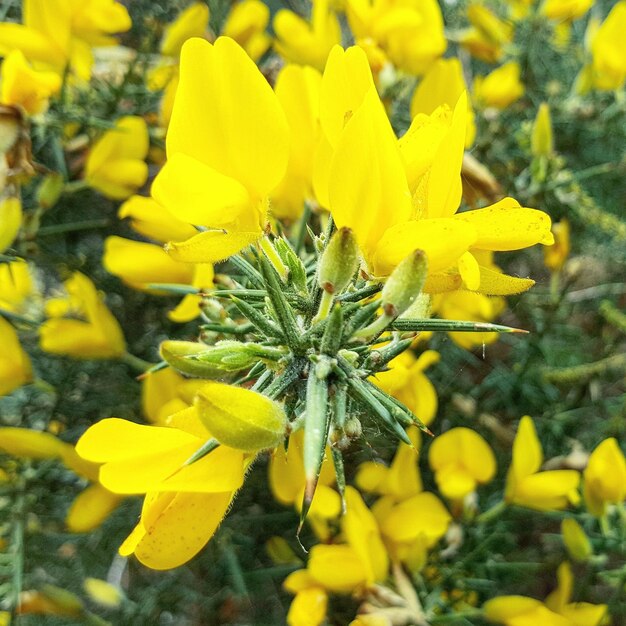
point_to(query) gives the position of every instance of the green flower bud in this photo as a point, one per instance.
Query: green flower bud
(177, 353)
(241, 418)
(339, 262)
(297, 271)
(405, 284)
(50, 190)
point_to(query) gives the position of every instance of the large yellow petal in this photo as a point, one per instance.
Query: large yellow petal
(367, 187)
(227, 116)
(323, 568)
(91, 508)
(31, 444)
(212, 246)
(199, 194)
(443, 240)
(506, 226)
(181, 529)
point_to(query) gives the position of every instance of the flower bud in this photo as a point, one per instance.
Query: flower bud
(339, 262)
(241, 418)
(575, 540)
(405, 284)
(297, 271)
(50, 190)
(541, 143)
(177, 353)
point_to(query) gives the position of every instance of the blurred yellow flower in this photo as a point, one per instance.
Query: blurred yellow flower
(608, 50)
(26, 87)
(16, 286)
(307, 42)
(566, 10)
(527, 486)
(554, 256)
(499, 88)
(410, 33)
(443, 84)
(226, 152)
(541, 140)
(605, 477)
(461, 460)
(558, 610)
(575, 540)
(405, 380)
(10, 221)
(298, 91)
(96, 336)
(192, 22)
(15, 366)
(116, 163)
(57, 34)
(488, 35)
(246, 23)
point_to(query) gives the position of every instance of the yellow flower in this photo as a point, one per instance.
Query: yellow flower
(405, 380)
(608, 50)
(605, 477)
(307, 43)
(192, 22)
(575, 540)
(567, 10)
(61, 33)
(298, 91)
(554, 256)
(97, 336)
(443, 84)
(499, 88)
(527, 486)
(227, 148)
(15, 367)
(246, 23)
(287, 482)
(410, 33)
(94, 504)
(16, 286)
(461, 460)
(10, 221)
(401, 479)
(558, 610)
(488, 35)
(401, 196)
(25, 87)
(116, 163)
(152, 460)
(541, 141)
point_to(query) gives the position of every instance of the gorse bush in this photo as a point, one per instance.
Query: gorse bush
(311, 314)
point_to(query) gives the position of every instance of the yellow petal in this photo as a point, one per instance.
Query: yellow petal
(212, 246)
(192, 22)
(10, 221)
(91, 508)
(227, 116)
(470, 271)
(308, 608)
(495, 283)
(527, 452)
(323, 568)
(31, 444)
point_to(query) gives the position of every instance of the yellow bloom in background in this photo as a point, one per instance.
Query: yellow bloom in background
(162, 395)
(96, 336)
(246, 23)
(10, 221)
(575, 540)
(192, 22)
(554, 256)
(287, 482)
(307, 42)
(116, 164)
(558, 610)
(21, 85)
(500, 88)
(409, 33)
(152, 460)
(298, 91)
(94, 504)
(541, 140)
(16, 286)
(61, 33)
(443, 84)
(401, 479)
(15, 366)
(527, 486)
(605, 477)
(608, 50)
(488, 35)
(227, 148)
(566, 10)
(405, 380)
(401, 196)
(461, 460)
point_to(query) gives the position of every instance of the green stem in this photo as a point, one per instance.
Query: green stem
(135, 362)
(490, 514)
(74, 186)
(58, 229)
